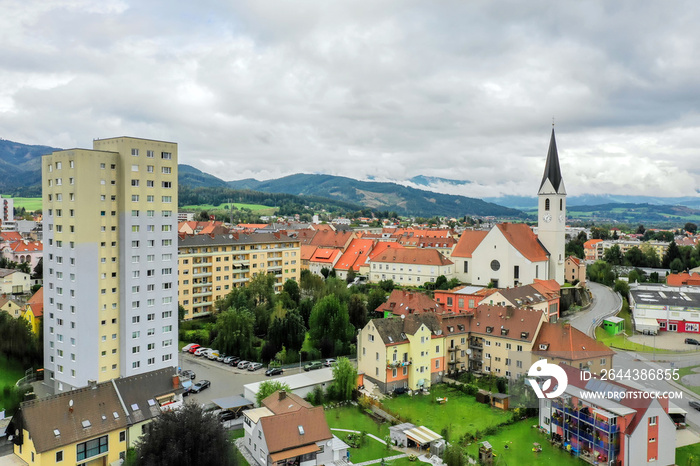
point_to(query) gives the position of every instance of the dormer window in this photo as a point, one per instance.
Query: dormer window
(524, 334)
(301, 430)
(504, 331)
(544, 346)
(489, 329)
(86, 424)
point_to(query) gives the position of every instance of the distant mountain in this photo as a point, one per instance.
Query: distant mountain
(20, 167)
(530, 202)
(190, 176)
(383, 196)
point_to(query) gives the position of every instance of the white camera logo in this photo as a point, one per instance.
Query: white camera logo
(543, 369)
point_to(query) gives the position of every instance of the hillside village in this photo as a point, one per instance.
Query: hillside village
(442, 325)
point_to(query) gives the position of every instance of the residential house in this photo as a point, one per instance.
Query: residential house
(24, 251)
(630, 428)
(590, 249)
(210, 267)
(543, 295)
(575, 270)
(34, 310)
(462, 298)
(562, 343)
(403, 303)
(378, 249)
(409, 266)
(11, 306)
(444, 245)
(402, 352)
(14, 282)
(288, 430)
(683, 279)
(324, 258)
(354, 257)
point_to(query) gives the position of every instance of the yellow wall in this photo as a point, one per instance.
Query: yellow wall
(47, 458)
(33, 321)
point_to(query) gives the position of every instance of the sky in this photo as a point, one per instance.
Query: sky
(462, 90)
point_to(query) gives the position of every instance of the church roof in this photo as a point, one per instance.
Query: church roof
(521, 237)
(552, 171)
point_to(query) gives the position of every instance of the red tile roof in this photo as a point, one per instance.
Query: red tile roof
(382, 247)
(307, 252)
(36, 302)
(355, 255)
(468, 242)
(325, 255)
(684, 278)
(26, 246)
(331, 238)
(591, 243)
(412, 256)
(506, 322)
(10, 236)
(408, 302)
(574, 259)
(522, 238)
(566, 342)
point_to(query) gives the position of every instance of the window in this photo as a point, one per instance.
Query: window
(122, 436)
(149, 154)
(149, 183)
(166, 184)
(59, 456)
(546, 204)
(166, 199)
(134, 168)
(167, 170)
(166, 155)
(92, 448)
(134, 183)
(135, 152)
(653, 420)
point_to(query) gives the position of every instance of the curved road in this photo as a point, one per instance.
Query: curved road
(605, 302)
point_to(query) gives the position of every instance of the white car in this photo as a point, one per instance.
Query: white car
(213, 354)
(201, 351)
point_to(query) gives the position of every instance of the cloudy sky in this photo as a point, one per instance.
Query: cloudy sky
(462, 90)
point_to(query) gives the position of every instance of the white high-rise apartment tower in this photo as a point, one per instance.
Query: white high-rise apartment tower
(110, 261)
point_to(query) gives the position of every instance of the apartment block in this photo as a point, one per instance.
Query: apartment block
(210, 267)
(110, 251)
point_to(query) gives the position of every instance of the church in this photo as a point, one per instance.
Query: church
(511, 254)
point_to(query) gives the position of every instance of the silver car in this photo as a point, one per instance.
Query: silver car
(243, 364)
(254, 366)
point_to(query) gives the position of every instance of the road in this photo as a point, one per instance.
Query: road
(605, 301)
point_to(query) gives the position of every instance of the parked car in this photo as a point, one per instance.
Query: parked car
(274, 371)
(186, 348)
(201, 385)
(313, 365)
(329, 362)
(691, 341)
(694, 404)
(254, 366)
(194, 348)
(188, 374)
(221, 357)
(199, 351)
(213, 354)
(234, 362)
(228, 359)
(243, 364)
(226, 416)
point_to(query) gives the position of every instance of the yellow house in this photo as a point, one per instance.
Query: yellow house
(402, 352)
(34, 310)
(85, 426)
(8, 305)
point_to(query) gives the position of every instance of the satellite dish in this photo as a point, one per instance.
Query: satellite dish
(70, 403)
(230, 236)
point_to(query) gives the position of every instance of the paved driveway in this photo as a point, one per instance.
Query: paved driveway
(605, 301)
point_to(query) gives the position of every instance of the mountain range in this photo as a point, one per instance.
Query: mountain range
(20, 175)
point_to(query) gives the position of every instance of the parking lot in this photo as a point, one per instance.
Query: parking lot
(225, 380)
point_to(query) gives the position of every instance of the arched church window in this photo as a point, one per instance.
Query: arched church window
(546, 204)
(561, 204)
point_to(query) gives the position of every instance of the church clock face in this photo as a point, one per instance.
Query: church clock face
(562, 217)
(547, 218)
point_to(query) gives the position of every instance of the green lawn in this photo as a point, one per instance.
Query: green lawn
(232, 436)
(519, 437)
(682, 371)
(350, 417)
(10, 372)
(460, 415)
(30, 204)
(688, 455)
(621, 342)
(262, 209)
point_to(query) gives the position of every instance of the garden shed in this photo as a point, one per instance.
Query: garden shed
(420, 438)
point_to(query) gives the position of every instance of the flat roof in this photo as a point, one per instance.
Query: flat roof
(298, 381)
(469, 290)
(646, 321)
(614, 320)
(235, 401)
(666, 296)
(256, 413)
(422, 435)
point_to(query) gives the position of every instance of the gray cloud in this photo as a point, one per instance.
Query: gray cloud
(459, 90)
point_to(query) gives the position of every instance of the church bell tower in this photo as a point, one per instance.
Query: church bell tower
(551, 213)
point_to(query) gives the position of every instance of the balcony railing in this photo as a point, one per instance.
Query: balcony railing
(454, 348)
(393, 364)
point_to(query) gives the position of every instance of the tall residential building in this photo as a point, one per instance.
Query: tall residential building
(110, 261)
(211, 266)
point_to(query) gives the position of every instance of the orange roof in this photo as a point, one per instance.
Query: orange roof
(36, 302)
(355, 255)
(325, 255)
(591, 242)
(412, 256)
(547, 286)
(522, 238)
(26, 246)
(252, 226)
(307, 252)
(331, 238)
(10, 236)
(566, 342)
(323, 227)
(574, 259)
(407, 302)
(381, 247)
(468, 242)
(684, 278)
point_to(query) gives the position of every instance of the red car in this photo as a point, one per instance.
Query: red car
(194, 348)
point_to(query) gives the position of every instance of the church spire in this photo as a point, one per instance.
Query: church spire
(552, 171)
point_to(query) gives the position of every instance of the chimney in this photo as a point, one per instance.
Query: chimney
(283, 394)
(176, 382)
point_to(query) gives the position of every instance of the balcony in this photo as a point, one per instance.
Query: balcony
(478, 344)
(394, 364)
(454, 348)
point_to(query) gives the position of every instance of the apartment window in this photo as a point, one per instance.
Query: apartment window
(653, 420)
(135, 152)
(135, 349)
(134, 198)
(167, 328)
(135, 364)
(135, 244)
(150, 154)
(166, 199)
(151, 346)
(151, 317)
(135, 334)
(134, 183)
(59, 456)
(134, 168)
(151, 331)
(166, 184)
(150, 198)
(149, 184)
(134, 213)
(167, 357)
(151, 361)
(166, 156)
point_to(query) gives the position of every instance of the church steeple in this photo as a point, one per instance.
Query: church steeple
(552, 171)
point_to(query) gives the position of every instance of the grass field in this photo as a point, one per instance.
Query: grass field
(350, 417)
(257, 208)
(519, 437)
(10, 372)
(461, 414)
(688, 455)
(30, 204)
(683, 371)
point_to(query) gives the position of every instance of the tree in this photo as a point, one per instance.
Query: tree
(676, 265)
(640, 230)
(454, 455)
(292, 289)
(601, 272)
(25, 267)
(329, 326)
(269, 387)
(203, 216)
(691, 228)
(376, 298)
(344, 379)
(39, 269)
(357, 309)
(234, 330)
(671, 254)
(613, 255)
(325, 271)
(201, 439)
(622, 287)
(635, 257)
(288, 331)
(387, 285)
(351, 276)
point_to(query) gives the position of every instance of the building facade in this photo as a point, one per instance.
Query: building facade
(110, 260)
(210, 267)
